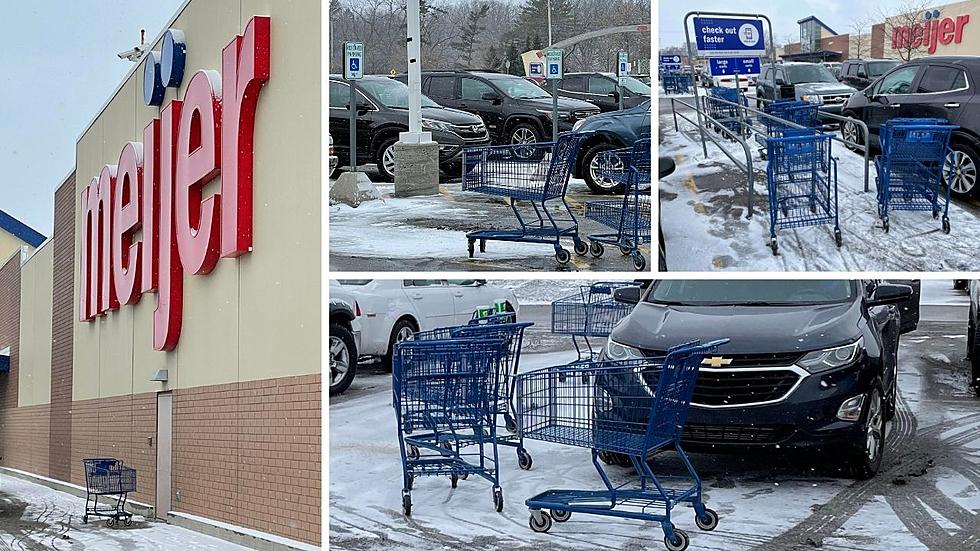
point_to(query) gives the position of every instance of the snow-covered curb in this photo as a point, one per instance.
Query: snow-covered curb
(262, 541)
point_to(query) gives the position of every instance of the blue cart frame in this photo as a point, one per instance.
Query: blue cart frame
(523, 172)
(109, 477)
(630, 217)
(591, 312)
(563, 410)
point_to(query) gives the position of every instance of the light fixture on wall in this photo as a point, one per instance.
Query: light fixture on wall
(161, 376)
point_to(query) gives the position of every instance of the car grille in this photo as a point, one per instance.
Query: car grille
(471, 131)
(735, 434)
(732, 388)
(779, 359)
(835, 100)
(582, 114)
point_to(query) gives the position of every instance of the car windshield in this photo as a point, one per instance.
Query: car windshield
(809, 73)
(518, 88)
(878, 68)
(391, 93)
(750, 292)
(634, 85)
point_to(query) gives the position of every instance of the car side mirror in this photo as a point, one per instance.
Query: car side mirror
(490, 96)
(363, 107)
(614, 95)
(480, 282)
(627, 295)
(889, 293)
(862, 74)
(780, 82)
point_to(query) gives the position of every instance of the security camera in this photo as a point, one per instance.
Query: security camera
(133, 55)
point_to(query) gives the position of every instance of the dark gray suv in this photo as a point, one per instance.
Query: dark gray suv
(860, 73)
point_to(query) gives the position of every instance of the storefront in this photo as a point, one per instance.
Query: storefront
(172, 320)
(943, 30)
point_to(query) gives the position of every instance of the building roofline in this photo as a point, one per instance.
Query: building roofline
(20, 230)
(817, 19)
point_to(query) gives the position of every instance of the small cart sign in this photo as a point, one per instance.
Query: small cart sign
(353, 60)
(536, 69)
(623, 67)
(553, 62)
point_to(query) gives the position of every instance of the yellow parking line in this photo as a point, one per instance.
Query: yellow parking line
(699, 208)
(691, 185)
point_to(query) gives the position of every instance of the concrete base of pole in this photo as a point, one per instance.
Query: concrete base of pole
(353, 188)
(416, 169)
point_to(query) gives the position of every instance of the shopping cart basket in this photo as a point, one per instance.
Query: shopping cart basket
(670, 84)
(801, 113)
(911, 166)
(629, 217)
(511, 333)
(537, 173)
(593, 311)
(444, 393)
(683, 84)
(728, 115)
(610, 408)
(110, 478)
(802, 179)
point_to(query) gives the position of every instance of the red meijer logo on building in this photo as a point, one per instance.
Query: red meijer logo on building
(146, 222)
(930, 33)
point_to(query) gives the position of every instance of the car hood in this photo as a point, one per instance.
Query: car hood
(824, 88)
(452, 116)
(564, 104)
(634, 116)
(752, 329)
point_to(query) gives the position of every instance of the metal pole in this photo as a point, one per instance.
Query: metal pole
(554, 111)
(550, 41)
(353, 128)
(414, 73)
(690, 59)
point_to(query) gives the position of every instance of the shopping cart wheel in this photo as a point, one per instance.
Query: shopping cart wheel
(498, 499)
(542, 525)
(483, 245)
(407, 504)
(708, 522)
(509, 423)
(413, 452)
(454, 480)
(885, 223)
(625, 249)
(639, 262)
(84, 519)
(838, 238)
(679, 543)
(110, 522)
(775, 246)
(524, 460)
(946, 227)
(935, 215)
(470, 247)
(411, 482)
(596, 249)
(561, 516)
(562, 256)
(128, 521)
(581, 247)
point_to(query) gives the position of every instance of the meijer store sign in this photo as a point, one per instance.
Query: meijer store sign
(146, 222)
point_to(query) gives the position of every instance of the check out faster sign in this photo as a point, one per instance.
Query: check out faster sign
(725, 37)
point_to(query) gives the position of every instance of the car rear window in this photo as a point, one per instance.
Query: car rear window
(939, 78)
(441, 87)
(750, 292)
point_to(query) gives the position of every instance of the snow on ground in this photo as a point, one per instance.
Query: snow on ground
(53, 520)
(541, 291)
(705, 225)
(940, 292)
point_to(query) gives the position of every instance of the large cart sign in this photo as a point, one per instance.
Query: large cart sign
(724, 37)
(726, 66)
(146, 220)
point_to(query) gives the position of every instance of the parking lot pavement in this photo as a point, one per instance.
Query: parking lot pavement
(35, 518)
(927, 495)
(429, 234)
(703, 208)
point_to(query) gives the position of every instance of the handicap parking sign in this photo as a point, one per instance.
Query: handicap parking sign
(355, 65)
(353, 60)
(554, 59)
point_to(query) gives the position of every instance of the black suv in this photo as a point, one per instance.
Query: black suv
(613, 130)
(931, 87)
(860, 73)
(811, 364)
(515, 110)
(601, 89)
(803, 81)
(382, 113)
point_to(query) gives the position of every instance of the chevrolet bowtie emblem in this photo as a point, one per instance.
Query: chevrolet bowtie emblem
(716, 361)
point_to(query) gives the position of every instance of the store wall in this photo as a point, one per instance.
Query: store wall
(34, 369)
(62, 328)
(9, 244)
(970, 44)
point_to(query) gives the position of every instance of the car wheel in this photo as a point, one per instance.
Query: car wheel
(343, 358)
(524, 133)
(965, 164)
(851, 132)
(869, 447)
(615, 459)
(591, 171)
(402, 331)
(385, 159)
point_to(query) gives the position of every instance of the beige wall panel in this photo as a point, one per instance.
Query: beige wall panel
(8, 244)
(34, 380)
(208, 350)
(28, 340)
(85, 353)
(281, 276)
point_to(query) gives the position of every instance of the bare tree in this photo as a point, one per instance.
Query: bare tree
(860, 39)
(908, 14)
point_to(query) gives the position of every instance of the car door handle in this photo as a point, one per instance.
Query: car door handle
(458, 294)
(953, 105)
(417, 296)
(895, 105)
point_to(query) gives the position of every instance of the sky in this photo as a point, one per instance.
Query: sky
(839, 15)
(58, 65)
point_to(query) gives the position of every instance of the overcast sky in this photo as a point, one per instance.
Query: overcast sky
(837, 14)
(58, 65)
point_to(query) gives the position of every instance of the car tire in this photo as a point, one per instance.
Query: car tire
(401, 331)
(868, 448)
(849, 128)
(615, 459)
(342, 349)
(523, 133)
(588, 171)
(385, 168)
(967, 163)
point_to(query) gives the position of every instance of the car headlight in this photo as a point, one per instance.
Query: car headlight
(577, 125)
(830, 358)
(812, 99)
(618, 351)
(430, 124)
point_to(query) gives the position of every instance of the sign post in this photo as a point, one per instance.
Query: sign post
(555, 72)
(622, 71)
(353, 71)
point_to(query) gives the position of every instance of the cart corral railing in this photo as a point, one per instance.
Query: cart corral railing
(745, 122)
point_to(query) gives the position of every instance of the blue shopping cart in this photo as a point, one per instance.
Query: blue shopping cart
(802, 113)
(108, 477)
(511, 333)
(802, 181)
(608, 407)
(629, 217)
(444, 395)
(537, 173)
(670, 84)
(593, 311)
(724, 105)
(911, 166)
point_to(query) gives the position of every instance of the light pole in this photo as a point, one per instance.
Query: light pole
(550, 40)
